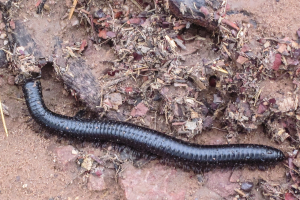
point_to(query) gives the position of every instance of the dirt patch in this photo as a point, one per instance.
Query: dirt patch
(268, 18)
(237, 86)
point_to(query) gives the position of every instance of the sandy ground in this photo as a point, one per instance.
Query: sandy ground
(270, 18)
(30, 168)
(33, 168)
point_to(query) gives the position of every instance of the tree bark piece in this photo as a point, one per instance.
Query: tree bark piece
(196, 11)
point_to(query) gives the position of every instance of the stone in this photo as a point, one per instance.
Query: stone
(157, 182)
(286, 104)
(282, 48)
(208, 121)
(115, 100)
(205, 194)
(241, 60)
(3, 36)
(139, 110)
(144, 49)
(247, 186)
(96, 183)
(218, 182)
(65, 159)
(11, 80)
(2, 26)
(74, 21)
(267, 44)
(177, 109)
(190, 125)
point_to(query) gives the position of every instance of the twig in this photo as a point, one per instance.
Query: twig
(195, 100)
(290, 168)
(72, 9)
(3, 120)
(84, 11)
(225, 2)
(96, 159)
(219, 69)
(240, 192)
(105, 41)
(257, 95)
(8, 52)
(114, 82)
(113, 16)
(137, 4)
(18, 99)
(226, 50)
(219, 129)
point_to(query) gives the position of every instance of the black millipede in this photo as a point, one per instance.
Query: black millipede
(144, 139)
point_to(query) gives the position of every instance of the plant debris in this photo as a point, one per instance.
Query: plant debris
(146, 63)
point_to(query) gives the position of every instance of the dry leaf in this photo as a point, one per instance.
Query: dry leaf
(102, 34)
(139, 110)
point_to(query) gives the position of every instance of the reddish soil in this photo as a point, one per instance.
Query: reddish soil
(31, 168)
(269, 18)
(36, 165)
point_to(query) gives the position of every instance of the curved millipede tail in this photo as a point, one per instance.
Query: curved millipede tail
(146, 140)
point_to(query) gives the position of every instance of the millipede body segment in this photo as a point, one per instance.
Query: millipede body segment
(144, 139)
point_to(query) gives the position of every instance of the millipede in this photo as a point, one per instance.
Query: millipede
(144, 139)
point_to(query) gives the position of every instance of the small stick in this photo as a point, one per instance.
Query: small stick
(256, 96)
(18, 99)
(72, 9)
(291, 168)
(137, 4)
(8, 52)
(226, 50)
(219, 129)
(96, 159)
(240, 192)
(113, 16)
(84, 11)
(225, 2)
(3, 120)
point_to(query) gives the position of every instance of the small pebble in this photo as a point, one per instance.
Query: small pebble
(247, 186)
(74, 21)
(74, 152)
(11, 80)
(2, 26)
(3, 36)
(200, 178)
(46, 7)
